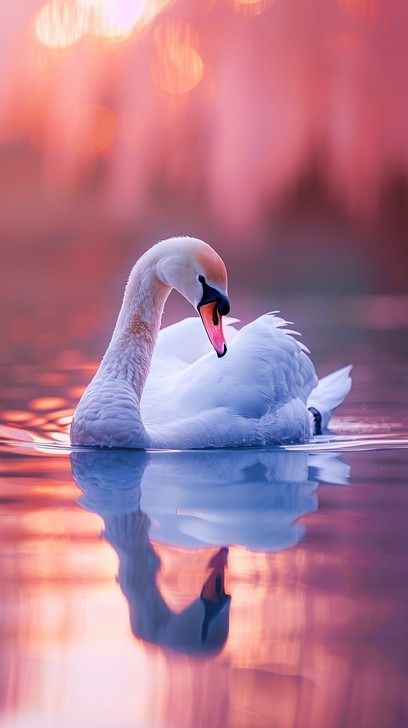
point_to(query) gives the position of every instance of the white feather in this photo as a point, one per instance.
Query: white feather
(255, 395)
(330, 392)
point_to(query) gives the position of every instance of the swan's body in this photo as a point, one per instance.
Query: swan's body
(182, 396)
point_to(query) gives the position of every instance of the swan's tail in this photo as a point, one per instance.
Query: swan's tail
(329, 393)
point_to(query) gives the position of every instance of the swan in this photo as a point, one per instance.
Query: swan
(179, 395)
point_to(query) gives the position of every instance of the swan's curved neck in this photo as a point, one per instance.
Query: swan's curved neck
(129, 353)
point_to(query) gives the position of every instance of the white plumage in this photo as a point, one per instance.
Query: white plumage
(179, 394)
(255, 395)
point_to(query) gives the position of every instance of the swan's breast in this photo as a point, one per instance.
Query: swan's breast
(108, 415)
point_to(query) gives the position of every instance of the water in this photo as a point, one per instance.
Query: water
(231, 589)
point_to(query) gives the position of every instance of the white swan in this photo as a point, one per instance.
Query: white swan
(183, 396)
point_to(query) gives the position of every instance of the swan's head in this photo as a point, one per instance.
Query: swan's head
(199, 274)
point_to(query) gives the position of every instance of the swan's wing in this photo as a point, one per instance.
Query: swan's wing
(264, 371)
(182, 343)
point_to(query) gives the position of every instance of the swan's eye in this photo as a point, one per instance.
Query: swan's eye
(211, 295)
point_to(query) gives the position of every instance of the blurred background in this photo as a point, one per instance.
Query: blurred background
(277, 130)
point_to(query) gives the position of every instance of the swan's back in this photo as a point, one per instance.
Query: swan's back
(255, 395)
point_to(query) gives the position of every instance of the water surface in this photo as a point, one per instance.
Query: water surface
(231, 589)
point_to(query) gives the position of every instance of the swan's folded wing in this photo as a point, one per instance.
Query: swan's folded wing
(182, 343)
(264, 370)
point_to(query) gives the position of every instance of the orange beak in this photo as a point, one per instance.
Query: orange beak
(212, 320)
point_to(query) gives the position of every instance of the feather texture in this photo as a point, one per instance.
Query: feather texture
(256, 395)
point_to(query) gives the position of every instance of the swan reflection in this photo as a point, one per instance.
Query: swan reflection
(195, 499)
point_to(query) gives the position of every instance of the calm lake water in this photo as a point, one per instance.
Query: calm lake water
(223, 589)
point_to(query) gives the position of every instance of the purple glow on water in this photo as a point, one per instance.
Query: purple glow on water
(226, 589)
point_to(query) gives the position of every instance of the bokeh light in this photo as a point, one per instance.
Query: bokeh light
(250, 7)
(177, 66)
(113, 18)
(264, 126)
(61, 23)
